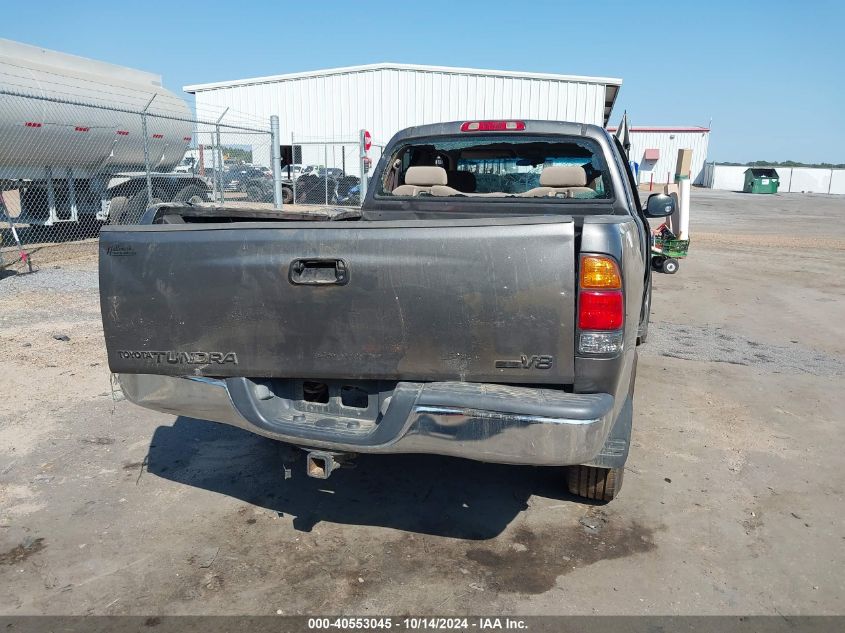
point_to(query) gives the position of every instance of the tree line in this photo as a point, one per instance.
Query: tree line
(785, 163)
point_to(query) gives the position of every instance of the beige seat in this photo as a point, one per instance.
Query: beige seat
(443, 190)
(421, 179)
(560, 181)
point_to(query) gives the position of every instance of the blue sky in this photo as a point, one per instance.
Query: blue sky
(769, 75)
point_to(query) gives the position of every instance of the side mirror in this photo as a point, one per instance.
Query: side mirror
(660, 205)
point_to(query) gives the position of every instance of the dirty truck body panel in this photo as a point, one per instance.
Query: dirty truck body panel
(416, 300)
(415, 328)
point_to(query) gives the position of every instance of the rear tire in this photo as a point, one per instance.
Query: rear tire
(670, 266)
(137, 206)
(287, 195)
(591, 482)
(187, 194)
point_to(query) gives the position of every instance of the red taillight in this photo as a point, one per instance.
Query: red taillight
(601, 306)
(493, 126)
(600, 310)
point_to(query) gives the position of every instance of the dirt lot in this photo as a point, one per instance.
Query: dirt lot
(733, 500)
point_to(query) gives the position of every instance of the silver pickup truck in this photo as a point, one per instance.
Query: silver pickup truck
(485, 302)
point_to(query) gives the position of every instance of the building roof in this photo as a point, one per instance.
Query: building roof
(612, 84)
(608, 81)
(664, 128)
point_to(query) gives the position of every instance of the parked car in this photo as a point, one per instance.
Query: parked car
(314, 189)
(254, 182)
(334, 189)
(291, 172)
(500, 326)
(348, 191)
(320, 171)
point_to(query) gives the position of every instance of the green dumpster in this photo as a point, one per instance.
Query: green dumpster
(761, 180)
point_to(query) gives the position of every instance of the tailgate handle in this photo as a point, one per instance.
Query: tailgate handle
(318, 272)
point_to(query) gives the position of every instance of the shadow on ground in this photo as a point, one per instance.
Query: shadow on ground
(426, 494)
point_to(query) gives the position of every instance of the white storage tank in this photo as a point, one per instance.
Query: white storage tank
(40, 133)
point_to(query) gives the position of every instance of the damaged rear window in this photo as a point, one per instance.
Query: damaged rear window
(540, 167)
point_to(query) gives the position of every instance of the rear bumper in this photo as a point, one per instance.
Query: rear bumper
(483, 422)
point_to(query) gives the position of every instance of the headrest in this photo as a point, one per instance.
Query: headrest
(461, 180)
(425, 176)
(563, 176)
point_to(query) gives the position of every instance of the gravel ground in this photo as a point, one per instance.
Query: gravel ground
(51, 280)
(734, 489)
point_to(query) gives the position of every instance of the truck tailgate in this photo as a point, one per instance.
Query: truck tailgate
(487, 300)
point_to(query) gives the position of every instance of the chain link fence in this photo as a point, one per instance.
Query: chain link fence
(67, 167)
(329, 172)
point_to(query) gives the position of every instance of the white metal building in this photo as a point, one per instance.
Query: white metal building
(655, 151)
(792, 179)
(336, 103)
